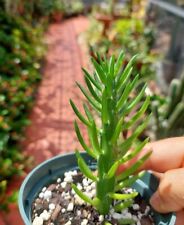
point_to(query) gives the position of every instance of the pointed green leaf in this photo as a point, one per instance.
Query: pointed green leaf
(88, 113)
(105, 114)
(129, 181)
(130, 105)
(119, 62)
(92, 91)
(112, 171)
(99, 71)
(123, 205)
(111, 66)
(126, 92)
(130, 171)
(123, 196)
(93, 135)
(93, 81)
(95, 104)
(80, 116)
(82, 142)
(125, 146)
(134, 152)
(117, 131)
(84, 197)
(126, 70)
(84, 167)
(124, 78)
(138, 114)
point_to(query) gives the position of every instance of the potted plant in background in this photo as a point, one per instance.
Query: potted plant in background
(57, 10)
(168, 111)
(55, 193)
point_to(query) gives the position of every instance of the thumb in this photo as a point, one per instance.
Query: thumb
(169, 195)
(158, 203)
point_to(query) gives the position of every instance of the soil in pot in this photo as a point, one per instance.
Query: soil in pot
(57, 204)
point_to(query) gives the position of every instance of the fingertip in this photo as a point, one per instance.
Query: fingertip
(157, 203)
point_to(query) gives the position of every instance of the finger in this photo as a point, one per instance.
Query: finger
(180, 217)
(168, 197)
(158, 203)
(162, 153)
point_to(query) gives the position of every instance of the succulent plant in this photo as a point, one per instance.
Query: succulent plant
(110, 95)
(169, 112)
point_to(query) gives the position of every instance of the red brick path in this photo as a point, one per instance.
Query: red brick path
(51, 131)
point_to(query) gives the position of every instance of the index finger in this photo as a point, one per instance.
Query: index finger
(166, 154)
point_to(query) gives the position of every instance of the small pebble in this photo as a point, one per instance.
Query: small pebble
(79, 186)
(78, 213)
(63, 210)
(78, 200)
(84, 222)
(41, 195)
(47, 194)
(37, 221)
(59, 180)
(135, 206)
(69, 223)
(117, 216)
(85, 182)
(52, 206)
(85, 213)
(70, 207)
(44, 189)
(101, 218)
(63, 184)
(68, 179)
(45, 215)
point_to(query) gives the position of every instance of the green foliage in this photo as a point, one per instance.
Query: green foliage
(21, 50)
(110, 92)
(46, 8)
(73, 7)
(57, 6)
(130, 34)
(168, 111)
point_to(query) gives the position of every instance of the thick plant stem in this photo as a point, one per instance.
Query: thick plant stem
(106, 185)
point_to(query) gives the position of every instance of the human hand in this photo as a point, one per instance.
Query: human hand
(167, 163)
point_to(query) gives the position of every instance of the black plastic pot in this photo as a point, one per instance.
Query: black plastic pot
(53, 168)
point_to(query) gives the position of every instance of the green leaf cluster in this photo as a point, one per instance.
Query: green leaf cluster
(110, 93)
(168, 111)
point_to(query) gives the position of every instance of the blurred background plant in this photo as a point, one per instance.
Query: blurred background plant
(73, 8)
(21, 53)
(168, 111)
(133, 35)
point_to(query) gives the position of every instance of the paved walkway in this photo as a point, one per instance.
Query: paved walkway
(51, 131)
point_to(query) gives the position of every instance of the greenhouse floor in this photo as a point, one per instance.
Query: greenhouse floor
(51, 132)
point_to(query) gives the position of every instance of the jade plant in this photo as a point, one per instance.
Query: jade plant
(110, 96)
(168, 112)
